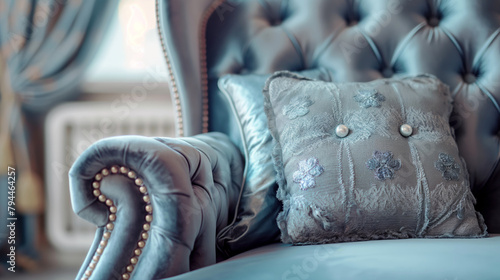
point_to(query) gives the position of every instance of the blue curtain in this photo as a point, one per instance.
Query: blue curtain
(45, 46)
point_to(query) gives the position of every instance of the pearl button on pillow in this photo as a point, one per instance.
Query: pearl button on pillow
(341, 131)
(406, 130)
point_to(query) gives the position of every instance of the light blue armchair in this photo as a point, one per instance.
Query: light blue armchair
(175, 206)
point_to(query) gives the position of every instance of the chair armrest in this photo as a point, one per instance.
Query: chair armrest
(158, 203)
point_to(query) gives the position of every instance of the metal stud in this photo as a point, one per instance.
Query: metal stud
(105, 172)
(106, 235)
(139, 181)
(123, 169)
(110, 226)
(114, 169)
(112, 217)
(149, 218)
(131, 174)
(98, 177)
(96, 185)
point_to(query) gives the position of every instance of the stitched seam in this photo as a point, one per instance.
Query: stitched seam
(485, 47)
(296, 45)
(373, 47)
(406, 41)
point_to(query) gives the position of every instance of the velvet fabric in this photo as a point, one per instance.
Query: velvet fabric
(193, 184)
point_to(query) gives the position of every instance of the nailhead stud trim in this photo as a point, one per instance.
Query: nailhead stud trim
(139, 183)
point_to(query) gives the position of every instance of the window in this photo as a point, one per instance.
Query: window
(131, 49)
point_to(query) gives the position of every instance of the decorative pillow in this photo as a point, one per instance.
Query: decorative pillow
(255, 221)
(360, 161)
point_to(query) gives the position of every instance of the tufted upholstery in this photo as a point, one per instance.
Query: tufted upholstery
(139, 190)
(458, 41)
(191, 185)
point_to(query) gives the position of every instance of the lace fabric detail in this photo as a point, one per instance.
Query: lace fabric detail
(385, 200)
(298, 107)
(364, 124)
(423, 192)
(429, 126)
(454, 199)
(449, 169)
(308, 170)
(304, 132)
(369, 98)
(307, 132)
(383, 165)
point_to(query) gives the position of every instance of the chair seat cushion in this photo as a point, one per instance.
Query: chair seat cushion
(377, 259)
(359, 161)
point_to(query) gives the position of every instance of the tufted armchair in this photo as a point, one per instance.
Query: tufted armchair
(168, 206)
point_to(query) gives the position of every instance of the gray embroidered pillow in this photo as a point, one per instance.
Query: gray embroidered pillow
(359, 161)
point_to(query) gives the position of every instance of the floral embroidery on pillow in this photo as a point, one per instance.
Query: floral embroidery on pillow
(308, 170)
(384, 165)
(369, 98)
(297, 107)
(448, 167)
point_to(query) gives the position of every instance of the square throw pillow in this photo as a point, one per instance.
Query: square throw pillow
(255, 220)
(361, 161)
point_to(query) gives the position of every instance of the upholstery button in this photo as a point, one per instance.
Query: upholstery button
(470, 78)
(406, 130)
(387, 72)
(433, 21)
(341, 130)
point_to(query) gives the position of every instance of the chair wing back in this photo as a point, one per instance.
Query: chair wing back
(355, 40)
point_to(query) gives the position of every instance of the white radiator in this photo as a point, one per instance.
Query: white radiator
(70, 129)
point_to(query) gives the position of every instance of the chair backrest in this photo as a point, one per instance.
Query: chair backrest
(355, 40)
